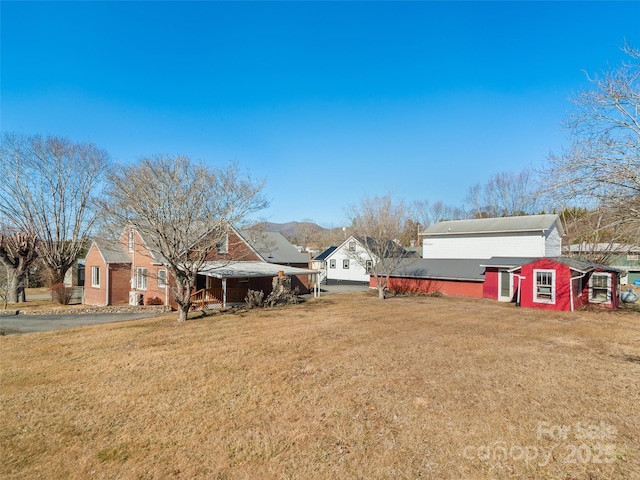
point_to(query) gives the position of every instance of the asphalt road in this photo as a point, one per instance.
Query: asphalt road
(16, 324)
(13, 324)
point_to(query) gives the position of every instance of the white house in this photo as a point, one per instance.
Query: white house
(348, 263)
(483, 238)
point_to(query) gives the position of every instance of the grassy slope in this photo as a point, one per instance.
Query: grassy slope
(340, 387)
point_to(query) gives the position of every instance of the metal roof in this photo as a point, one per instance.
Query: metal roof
(526, 223)
(441, 268)
(585, 247)
(225, 269)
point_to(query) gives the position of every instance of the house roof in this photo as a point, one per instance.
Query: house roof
(583, 265)
(441, 268)
(514, 263)
(391, 248)
(112, 251)
(225, 269)
(325, 254)
(274, 248)
(507, 262)
(526, 223)
(601, 247)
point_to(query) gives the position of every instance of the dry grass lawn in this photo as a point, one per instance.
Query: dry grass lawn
(339, 387)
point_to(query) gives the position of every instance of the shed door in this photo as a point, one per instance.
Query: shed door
(506, 286)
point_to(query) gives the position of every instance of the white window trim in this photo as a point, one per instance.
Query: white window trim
(552, 301)
(162, 278)
(332, 263)
(95, 276)
(141, 278)
(223, 244)
(609, 288)
(345, 264)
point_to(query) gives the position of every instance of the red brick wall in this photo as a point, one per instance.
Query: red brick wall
(95, 295)
(119, 276)
(141, 258)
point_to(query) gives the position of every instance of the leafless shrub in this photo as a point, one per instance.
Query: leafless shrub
(254, 298)
(61, 293)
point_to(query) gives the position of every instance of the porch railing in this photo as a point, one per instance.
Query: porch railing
(210, 298)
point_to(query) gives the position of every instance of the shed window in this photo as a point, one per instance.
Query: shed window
(600, 288)
(545, 287)
(95, 276)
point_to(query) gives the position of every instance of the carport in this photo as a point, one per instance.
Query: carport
(216, 297)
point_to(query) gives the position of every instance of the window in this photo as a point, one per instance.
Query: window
(600, 288)
(345, 264)
(142, 278)
(223, 245)
(545, 287)
(352, 247)
(332, 263)
(95, 276)
(162, 278)
(369, 266)
(131, 241)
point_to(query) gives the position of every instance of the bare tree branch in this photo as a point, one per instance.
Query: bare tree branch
(184, 209)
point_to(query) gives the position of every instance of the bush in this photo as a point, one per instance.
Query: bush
(254, 298)
(61, 293)
(154, 301)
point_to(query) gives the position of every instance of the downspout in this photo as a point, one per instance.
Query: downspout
(106, 282)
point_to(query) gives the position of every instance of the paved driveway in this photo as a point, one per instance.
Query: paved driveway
(11, 324)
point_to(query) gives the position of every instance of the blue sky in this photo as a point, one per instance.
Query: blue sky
(328, 101)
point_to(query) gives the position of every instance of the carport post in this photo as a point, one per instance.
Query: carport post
(224, 291)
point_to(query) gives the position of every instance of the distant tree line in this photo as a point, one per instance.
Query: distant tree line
(55, 193)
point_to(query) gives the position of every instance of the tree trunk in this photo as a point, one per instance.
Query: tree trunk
(381, 293)
(15, 290)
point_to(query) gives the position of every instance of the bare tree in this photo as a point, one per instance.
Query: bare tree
(17, 254)
(49, 187)
(505, 194)
(184, 209)
(600, 169)
(427, 213)
(378, 223)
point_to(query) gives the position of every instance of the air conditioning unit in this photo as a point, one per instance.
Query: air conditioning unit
(135, 298)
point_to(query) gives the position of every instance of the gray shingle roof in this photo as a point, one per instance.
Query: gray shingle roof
(112, 251)
(526, 223)
(273, 247)
(444, 269)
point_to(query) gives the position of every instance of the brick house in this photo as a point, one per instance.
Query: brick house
(130, 271)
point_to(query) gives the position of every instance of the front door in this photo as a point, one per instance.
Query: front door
(505, 287)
